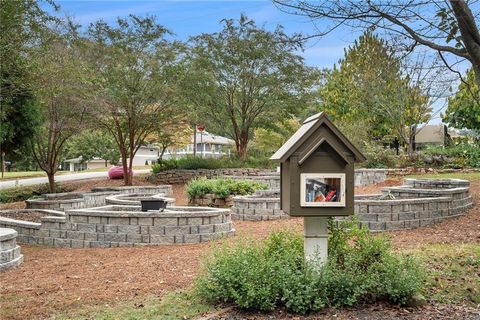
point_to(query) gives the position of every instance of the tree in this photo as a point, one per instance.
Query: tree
(21, 23)
(245, 77)
(270, 139)
(60, 90)
(372, 87)
(91, 144)
(447, 27)
(464, 107)
(136, 75)
(177, 134)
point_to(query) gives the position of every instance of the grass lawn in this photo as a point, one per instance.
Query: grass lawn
(174, 305)
(34, 174)
(22, 174)
(453, 175)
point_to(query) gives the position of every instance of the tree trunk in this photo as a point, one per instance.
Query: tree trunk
(411, 141)
(130, 170)
(123, 153)
(194, 140)
(242, 145)
(469, 32)
(51, 181)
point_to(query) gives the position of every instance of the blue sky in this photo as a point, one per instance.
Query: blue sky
(189, 18)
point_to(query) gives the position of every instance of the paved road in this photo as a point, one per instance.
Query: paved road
(63, 177)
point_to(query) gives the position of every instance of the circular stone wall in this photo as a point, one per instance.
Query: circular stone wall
(135, 199)
(95, 198)
(10, 255)
(263, 205)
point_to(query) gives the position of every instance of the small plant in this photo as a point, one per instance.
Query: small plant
(264, 276)
(222, 188)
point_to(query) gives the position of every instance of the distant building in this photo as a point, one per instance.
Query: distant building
(433, 134)
(208, 146)
(145, 155)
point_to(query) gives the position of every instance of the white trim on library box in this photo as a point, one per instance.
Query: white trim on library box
(303, 180)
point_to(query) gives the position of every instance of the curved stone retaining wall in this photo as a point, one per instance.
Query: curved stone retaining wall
(418, 203)
(363, 177)
(183, 176)
(10, 255)
(263, 205)
(114, 226)
(95, 198)
(430, 201)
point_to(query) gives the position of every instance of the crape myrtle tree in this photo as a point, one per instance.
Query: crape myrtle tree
(21, 23)
(244, 77)
(447, 27)
(60, 88)
(135, 81)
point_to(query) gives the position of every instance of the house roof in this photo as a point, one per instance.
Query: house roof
(210, 138)
(308, 127)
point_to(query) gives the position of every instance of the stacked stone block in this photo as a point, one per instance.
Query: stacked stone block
(366, 177)
(10, 255)
(115, 226)
(183, 176)
(263, 205)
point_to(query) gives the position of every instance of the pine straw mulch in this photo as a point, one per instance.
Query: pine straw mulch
(53, 279)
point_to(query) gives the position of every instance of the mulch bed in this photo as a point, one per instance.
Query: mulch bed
(32, 216)
(52, 279)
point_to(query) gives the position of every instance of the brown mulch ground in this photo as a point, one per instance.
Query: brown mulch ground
(377, 311)
(32, 216)
(51, 279)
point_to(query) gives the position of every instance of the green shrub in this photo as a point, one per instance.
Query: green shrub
(193, 163)
(222, 188)
(27, 192)
(458, 156)
(379, 156)
(270, 274)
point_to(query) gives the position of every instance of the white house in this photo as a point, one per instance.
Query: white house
(208, 146)
(145, 155)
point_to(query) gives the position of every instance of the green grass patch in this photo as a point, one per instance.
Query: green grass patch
(471, 176)
(22, 174)
(453, 272)
(184, 304)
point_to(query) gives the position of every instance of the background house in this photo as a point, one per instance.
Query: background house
(208, 146)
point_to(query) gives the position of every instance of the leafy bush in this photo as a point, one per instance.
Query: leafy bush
(264, 276)
(379, 156)
(193, 163)
(222, 188)
(458, 156)
(27, 192)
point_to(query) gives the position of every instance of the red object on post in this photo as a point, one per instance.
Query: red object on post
(115, 172)
(200, 127)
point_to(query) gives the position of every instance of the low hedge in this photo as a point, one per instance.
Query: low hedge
(193, 163)
(222, 188)
(361, 268)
